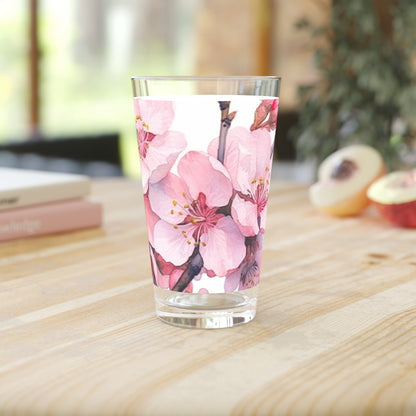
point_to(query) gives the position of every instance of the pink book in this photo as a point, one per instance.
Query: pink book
(49, 218)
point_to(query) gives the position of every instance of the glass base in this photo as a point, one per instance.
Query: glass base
(206, 310)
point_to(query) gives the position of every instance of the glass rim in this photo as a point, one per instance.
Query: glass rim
(207, 78)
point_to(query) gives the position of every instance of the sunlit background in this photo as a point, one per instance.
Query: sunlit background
(65, 66)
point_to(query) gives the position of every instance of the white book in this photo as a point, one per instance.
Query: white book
(24, 187)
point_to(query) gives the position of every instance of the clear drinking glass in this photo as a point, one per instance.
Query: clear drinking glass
(206, 150)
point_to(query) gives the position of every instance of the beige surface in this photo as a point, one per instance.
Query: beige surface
(335, 332)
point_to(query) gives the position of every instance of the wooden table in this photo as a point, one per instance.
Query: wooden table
(335, 331)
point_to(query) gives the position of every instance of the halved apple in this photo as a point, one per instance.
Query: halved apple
(343, 180)
(394, 196)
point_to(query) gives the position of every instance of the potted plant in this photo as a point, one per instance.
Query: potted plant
(367, 89)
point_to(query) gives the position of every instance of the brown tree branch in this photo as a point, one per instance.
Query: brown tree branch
(194, 267)
(226, 119)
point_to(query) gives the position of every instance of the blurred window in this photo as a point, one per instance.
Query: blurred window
(92, 48)
(13, 69)
(88, 52)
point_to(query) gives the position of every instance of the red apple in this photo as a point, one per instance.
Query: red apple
(394, 196)
(343, 180)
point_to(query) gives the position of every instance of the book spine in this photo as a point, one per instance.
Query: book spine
(41, 194)
(49, 219)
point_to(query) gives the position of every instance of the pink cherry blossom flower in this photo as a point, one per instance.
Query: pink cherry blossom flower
(189, 205)
(158, 146)
(248, 161)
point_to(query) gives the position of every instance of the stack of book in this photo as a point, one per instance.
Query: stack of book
(36, 203)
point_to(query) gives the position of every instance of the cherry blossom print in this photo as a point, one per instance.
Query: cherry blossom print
(206, 210)
(189, 205)
(151, 218)
(248, 273)
(159, 278)
(158, 146)
(165, 275)
(266, 115)
(174, 278)
(248, 161)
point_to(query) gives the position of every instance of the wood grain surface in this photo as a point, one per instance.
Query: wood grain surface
(335, 332)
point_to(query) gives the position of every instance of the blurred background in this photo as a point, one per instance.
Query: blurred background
(348, 71)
